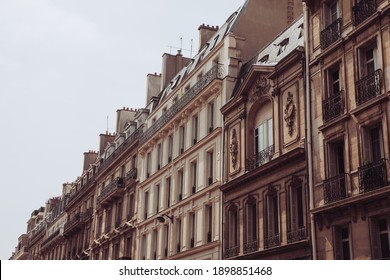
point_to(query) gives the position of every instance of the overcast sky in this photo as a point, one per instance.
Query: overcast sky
(64, 67)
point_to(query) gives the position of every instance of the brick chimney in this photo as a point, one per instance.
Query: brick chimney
(89, 158)
(171, 65)
(153, 86)
(104, 140)
(205, 34)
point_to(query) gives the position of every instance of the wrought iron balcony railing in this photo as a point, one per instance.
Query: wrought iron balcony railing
(52, 237)
(260, 158)
(296, 235)
(272, 241)
(363, 10)
(111, 189)
(333, 106)
(80, 192)
(335, 188)
(131, 176)
(330, 34)
(250, 246)
(214, 73)
(368, 87)
(231, 252)
(118, 151)
(372, 176)
(77, 221)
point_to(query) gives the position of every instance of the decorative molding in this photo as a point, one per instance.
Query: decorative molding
(234, 149)
(261, 87)
(290, 113)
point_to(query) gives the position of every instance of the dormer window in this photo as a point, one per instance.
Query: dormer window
(282, 46)
(264, 59)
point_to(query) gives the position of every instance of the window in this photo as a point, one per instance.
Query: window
(116, 250)
(170, 148)
(331, 12)
(209, 222)
(342, 248)
(264, 59)
(194, 174)
(181, 139)
(263, 136)
(146, 204)
(367, 60)
(99, 227)
(210, 167)
(210, 117)
(178, 235)
(166, 235)
(297, 227)
(118, 218)
(128, 247)
(332, 105)
(232, 231)
(192, 229)
(272, 237)
(148, 166)
(335, 184)
(380, 237)
(195, 129)
(106, 253)
(130, 206)
(108, 220)
(180, 185)
(250, 243)
(155, 244)
(143, 244)
(168, 191)
(159, 156)
(157, 188)
(282, 46)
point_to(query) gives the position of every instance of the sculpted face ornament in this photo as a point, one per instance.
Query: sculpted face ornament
(261, 87)
(290, 113)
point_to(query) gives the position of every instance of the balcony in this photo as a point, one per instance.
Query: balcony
(77, 222)
(52, 239)
(330, 34)
(131, 176)
(296, 235)
(37, 234)
(231, 252)
(214, 73)
(368, 87)
(250, 246)
(260, 158)
(335, 188)
(372, 176)
(363, 10)
(80, 192)
(333, 106)
(121, 148)
(111, 192)
(272, 241)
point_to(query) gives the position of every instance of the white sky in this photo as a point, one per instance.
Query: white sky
(64, 67)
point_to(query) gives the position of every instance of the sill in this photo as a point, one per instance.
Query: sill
(372, 102)
(334, 121)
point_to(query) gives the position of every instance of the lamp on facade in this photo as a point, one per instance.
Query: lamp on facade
(161, 218)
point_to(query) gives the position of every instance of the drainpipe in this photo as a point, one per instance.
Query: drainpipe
(308, 129)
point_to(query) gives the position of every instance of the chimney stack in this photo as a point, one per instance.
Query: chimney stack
(89, 158)
(153, 86)
(205, 34)
(171, 65)
(104, 140)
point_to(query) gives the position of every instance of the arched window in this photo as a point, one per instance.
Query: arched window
(232, 232)
(272, 232)
(250, 242)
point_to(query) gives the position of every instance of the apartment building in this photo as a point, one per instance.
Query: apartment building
(265, 191)
(181, 149)
(349, 72)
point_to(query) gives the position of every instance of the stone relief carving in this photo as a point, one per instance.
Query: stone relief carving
(290, 113)
(234, 149)
(261, 87)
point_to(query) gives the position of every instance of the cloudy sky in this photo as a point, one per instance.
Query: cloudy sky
(65, 66)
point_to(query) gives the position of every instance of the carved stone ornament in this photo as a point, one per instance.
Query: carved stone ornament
(234, 149)
(260, 88)
(290, 114)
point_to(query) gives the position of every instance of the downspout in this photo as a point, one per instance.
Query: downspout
(308, 130)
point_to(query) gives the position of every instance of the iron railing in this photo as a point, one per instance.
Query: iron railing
(51, 238)
(368, 87)
(372, 176)
(77, 220)
(363, 10)
(214, 73)
(333, 106)
(81, 191)
(272, 241)
(330, 34)
(131, 175)
(117, 183)
(296, 235)
(335, 188)
(231, 251)
(260, 158)
(250, 246)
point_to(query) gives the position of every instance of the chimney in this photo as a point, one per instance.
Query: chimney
(171, 65)
(205, 34)
(104, 140)
(123, 117)
(89, 158)
(153, 86)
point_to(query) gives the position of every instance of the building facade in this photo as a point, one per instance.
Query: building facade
(349, 70)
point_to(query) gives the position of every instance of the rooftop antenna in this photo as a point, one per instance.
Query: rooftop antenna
(181, 44)
(107, 125)
(192, 40)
